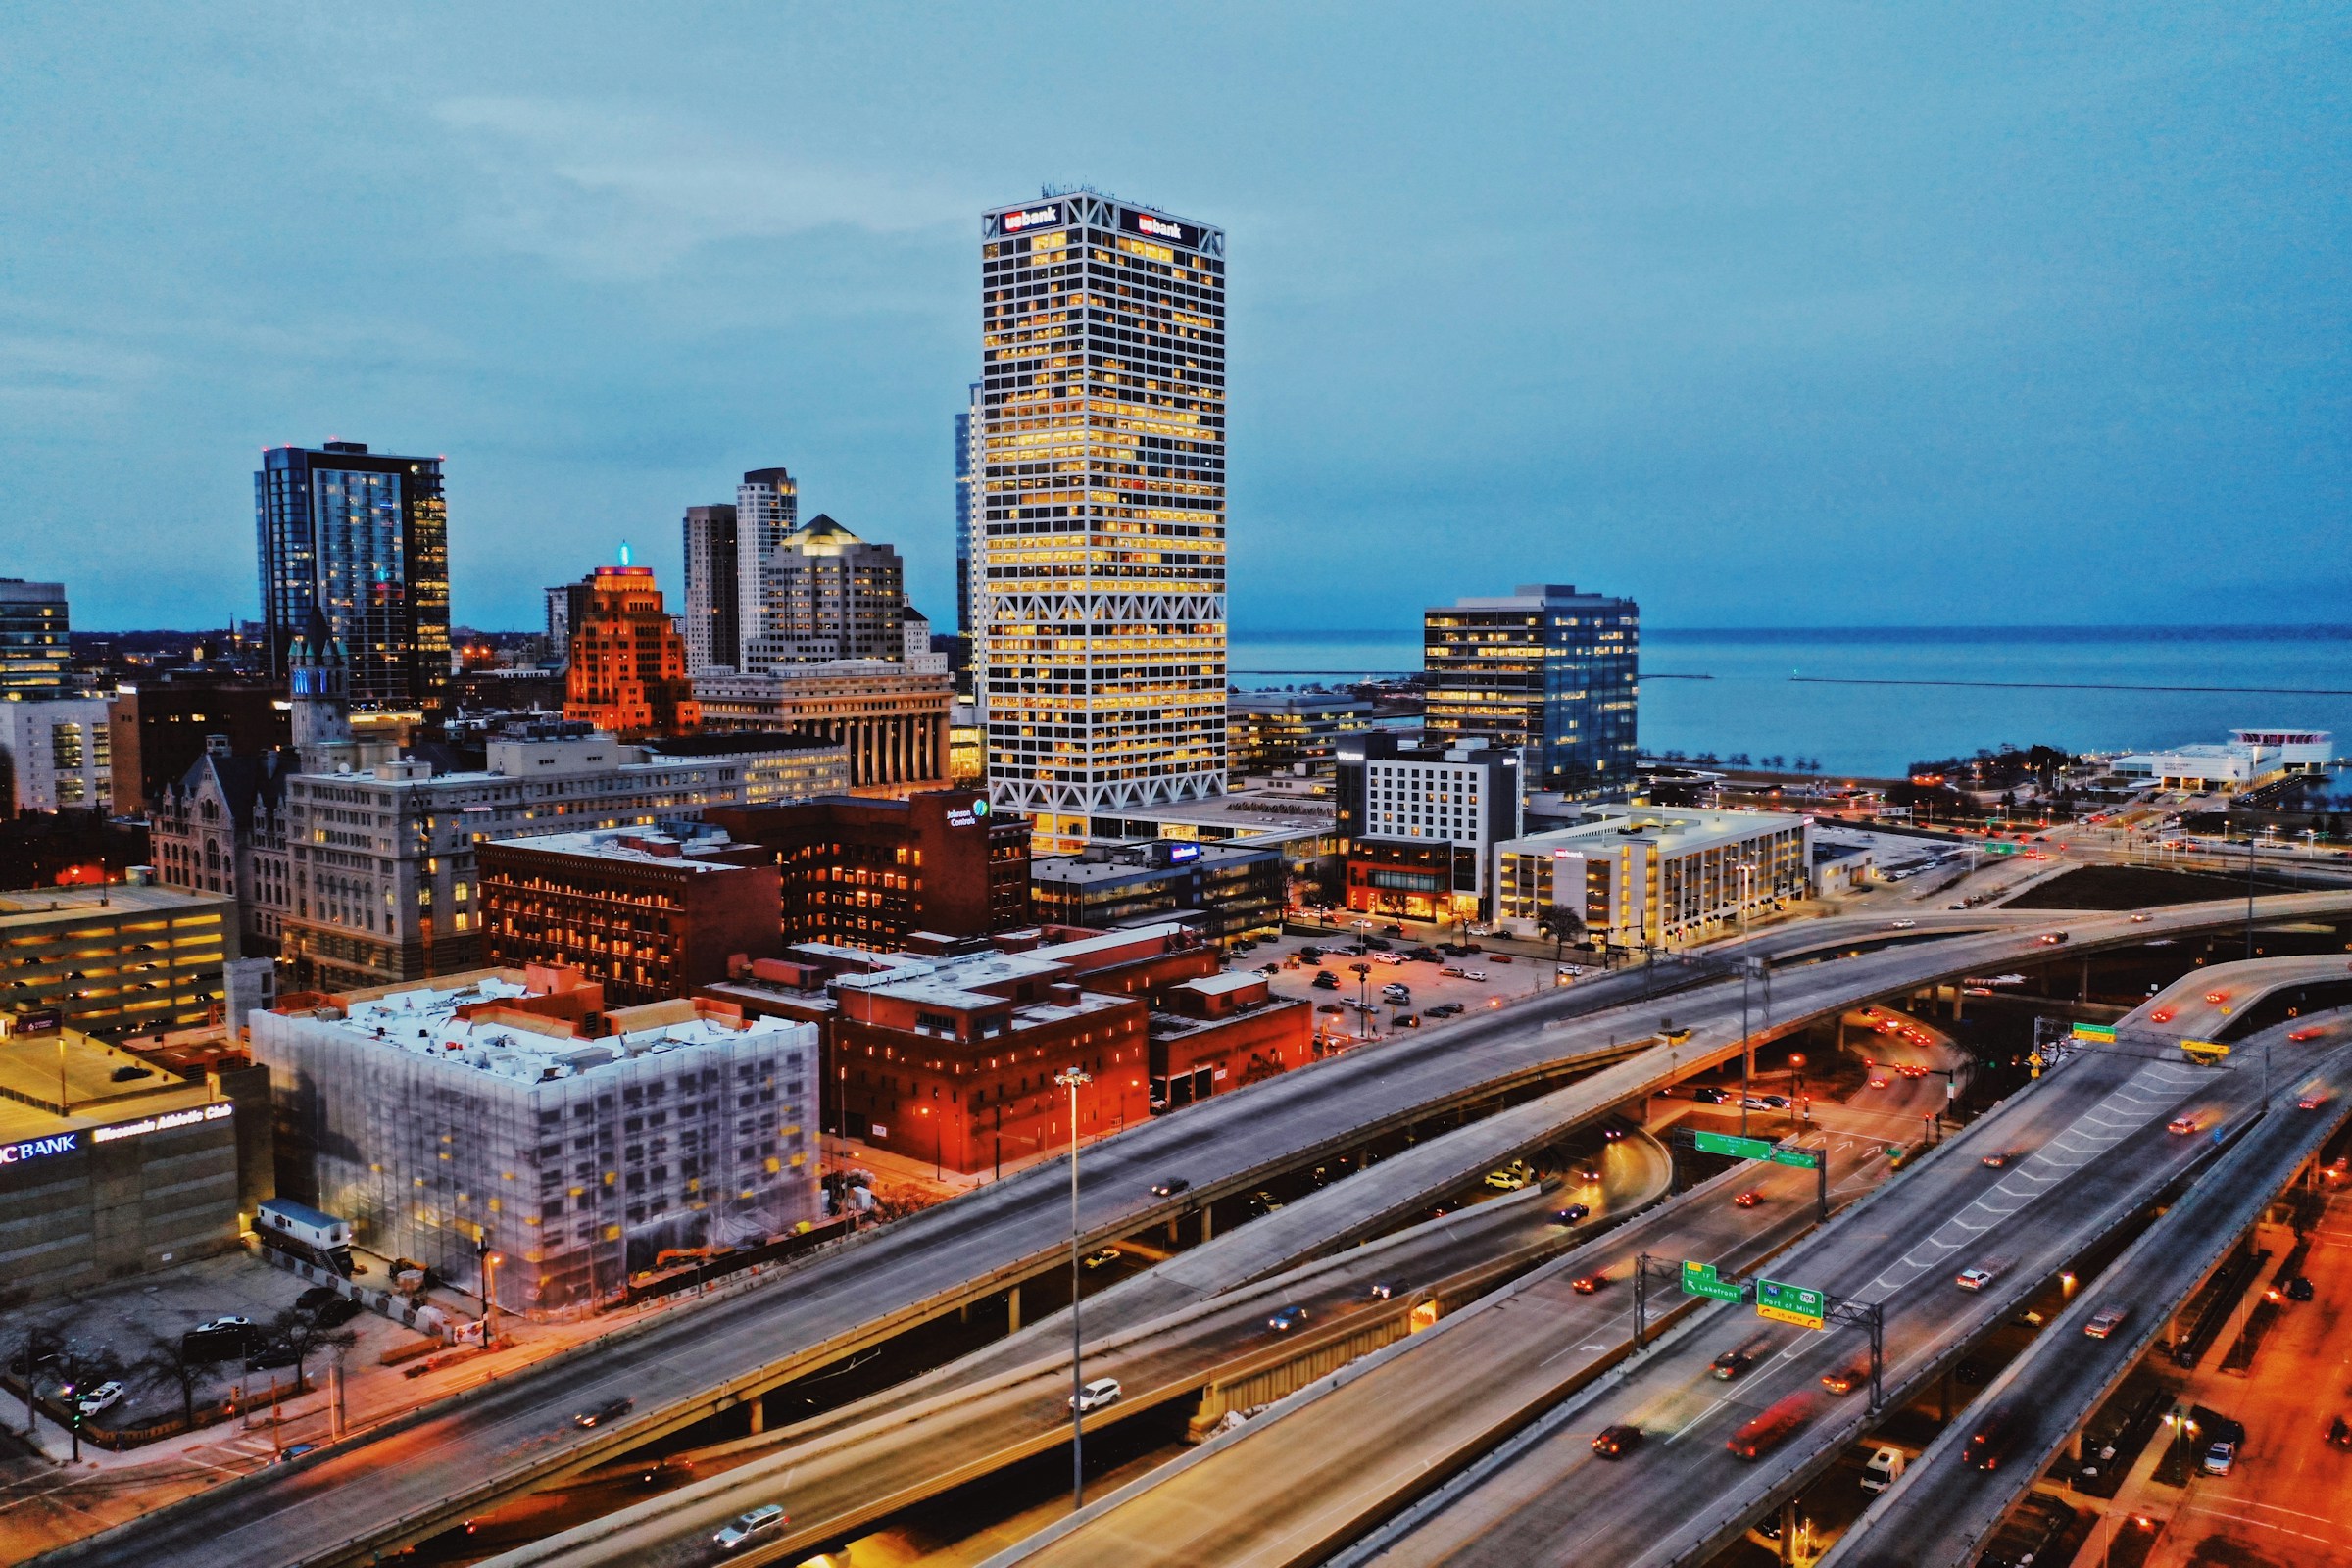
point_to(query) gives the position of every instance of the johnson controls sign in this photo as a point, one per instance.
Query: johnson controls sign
(971, 815)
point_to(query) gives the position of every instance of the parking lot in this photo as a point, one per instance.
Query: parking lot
(1353, 1007)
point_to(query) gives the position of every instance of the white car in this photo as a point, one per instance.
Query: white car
(764, 1520)
(1474, 974)
(232, 1321)
(1972, 1279)
(1900, 925)
(1096, 1395)
(99, 1399)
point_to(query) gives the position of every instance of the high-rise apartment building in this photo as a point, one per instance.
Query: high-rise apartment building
(713, 624)
(967, 468)
(628, 661)
(566, 607)
(827, 595)
(363, 538)
(1546, 671)
(767, 507)
(56, 755)
(34, 644)
(1099, 664)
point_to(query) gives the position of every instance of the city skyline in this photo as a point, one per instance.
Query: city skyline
(1918, 333)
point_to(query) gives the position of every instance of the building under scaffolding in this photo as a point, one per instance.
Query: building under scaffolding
(503, 1117)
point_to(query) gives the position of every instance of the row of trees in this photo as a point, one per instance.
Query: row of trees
(1774, 762)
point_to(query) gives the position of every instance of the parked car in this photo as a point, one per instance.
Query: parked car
(1508, 1180)
(309, 1300)
(2298, 1288)
(1475, 974)
(1406, 1020)
(1170, 1186)
(1392, 929)
(1443, 1010)
(2219, 1458)
(604, 1414)
(101, 1398)
(1325, 980)
(236, 1321)
(762, 1521)
(1287, 1320)
(1616, 1441)
(1096, 1395)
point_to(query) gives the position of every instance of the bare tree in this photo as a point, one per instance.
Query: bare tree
(33, 1345)
(168, 1362)
(303, 1336)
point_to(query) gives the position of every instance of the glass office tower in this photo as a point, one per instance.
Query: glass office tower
(1546, 669)
(364, 538)
(1100, 557)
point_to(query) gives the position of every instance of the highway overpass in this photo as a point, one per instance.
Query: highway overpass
(411, 1479)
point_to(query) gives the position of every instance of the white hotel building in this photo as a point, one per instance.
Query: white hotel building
(1099, 571)
(1647, 877)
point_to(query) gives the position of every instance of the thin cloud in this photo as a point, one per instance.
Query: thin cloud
(628, 194)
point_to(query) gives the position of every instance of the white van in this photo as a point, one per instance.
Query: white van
(1885, 1466)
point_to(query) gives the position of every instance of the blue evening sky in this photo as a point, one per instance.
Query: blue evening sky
(1770, 315)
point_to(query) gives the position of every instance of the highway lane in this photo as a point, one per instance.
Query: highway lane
(1943, 1509)
(409, 1481)
(884, 1453)
(2100, 1150)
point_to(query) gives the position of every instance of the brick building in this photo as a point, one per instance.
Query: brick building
(954, 1059)
(649, 915)
(162, 726)
(873, 873)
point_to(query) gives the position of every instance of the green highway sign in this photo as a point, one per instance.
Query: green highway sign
(1737, 1148)
(1790, 1303)
(1702, 1279)
(2104, 1033)
(1801, 1158)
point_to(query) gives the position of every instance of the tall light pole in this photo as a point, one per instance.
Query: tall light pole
(1073, 1078)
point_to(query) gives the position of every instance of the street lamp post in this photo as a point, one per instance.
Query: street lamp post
(1073, 1079)
(490, 1262)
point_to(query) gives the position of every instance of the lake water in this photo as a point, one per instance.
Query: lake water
(1871, 702)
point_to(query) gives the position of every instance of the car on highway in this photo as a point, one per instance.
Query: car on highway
(1878, 1082)
(2311, 1102)
(2312, 1032)
(1707, 1096)
(1996, 1160)
(2162, 1015)
(2183, 1125)
(1169, 1186)
(2140, 917)
(1101, 1257)
(1587, 1284)
(1845, 1378)
(1264, 1202)
(1616, 1441)
(2105, 1321)
(1288, 1318)
(1588, 1172)
(1379, 1289)
(1731, 1363)
(1748, 1199)
(1989, 1444)
(746, 1527)
(101, 1398)
(1574, 1213)
(1900, 925)
(1612, 1133)
(2216, 998)
(1974, 1279)
(1770, 1429)
(1096, 1395)
(604, 1414)
(1755, 1103)
(2053, 939)
(2219, 1458)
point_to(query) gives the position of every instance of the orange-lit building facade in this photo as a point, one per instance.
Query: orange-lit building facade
(628, 661)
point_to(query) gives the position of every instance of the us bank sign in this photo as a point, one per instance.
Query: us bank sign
(74, 1142)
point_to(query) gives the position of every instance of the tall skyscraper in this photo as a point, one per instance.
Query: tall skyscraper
(713, 617)
(628, 663)
(829, 595)
(35, 648)
(1101, 653)
(1546, 669)
(967, 468)
(767, 507)
(363, 538)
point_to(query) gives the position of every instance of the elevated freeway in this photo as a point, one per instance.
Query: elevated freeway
(1942, 1510)
(1298, 1488)
(411, 1479)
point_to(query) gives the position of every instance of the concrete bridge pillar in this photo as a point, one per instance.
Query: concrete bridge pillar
(1012, 1315)
(758, 1409)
